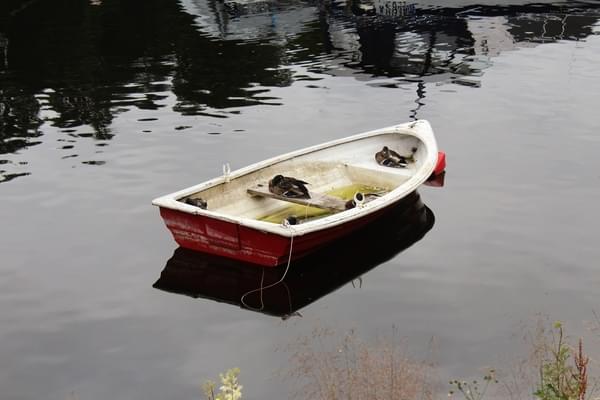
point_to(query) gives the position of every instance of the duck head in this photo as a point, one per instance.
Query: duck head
(277, 179)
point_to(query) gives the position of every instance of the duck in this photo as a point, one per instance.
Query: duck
(390, 158)
(289, 187)
(197, 201)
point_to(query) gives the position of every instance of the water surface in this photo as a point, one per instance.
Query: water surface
(107, 104)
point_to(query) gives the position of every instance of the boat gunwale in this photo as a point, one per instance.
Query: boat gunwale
(421, 129)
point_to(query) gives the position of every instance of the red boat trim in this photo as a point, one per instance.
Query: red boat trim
(440, 166)
(235, 241)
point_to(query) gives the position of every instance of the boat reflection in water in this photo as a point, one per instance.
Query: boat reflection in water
(206, 276)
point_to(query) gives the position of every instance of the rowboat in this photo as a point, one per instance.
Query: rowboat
(238, 216)
(274, 292)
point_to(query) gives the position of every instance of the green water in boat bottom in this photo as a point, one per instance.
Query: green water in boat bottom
(306, 213)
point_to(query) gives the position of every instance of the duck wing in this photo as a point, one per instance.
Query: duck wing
(295, 188)
(394, 154)
(397, 157)
(390, 162)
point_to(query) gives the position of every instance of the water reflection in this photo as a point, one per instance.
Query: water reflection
(19, 121)
(205, 276)
(87, 62)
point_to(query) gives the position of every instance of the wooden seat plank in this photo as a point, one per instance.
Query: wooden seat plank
(317, 200)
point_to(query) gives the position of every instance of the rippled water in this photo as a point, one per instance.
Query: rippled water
(107, 104)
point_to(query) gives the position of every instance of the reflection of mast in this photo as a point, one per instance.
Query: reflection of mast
(419, 100)
(427, 63)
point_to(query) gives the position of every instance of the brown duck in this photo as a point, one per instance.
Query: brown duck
(390, 158)
(197, 201)
(288, 187)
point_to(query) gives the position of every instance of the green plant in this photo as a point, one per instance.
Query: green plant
(472, 390)
(230, 388)
(559, 379)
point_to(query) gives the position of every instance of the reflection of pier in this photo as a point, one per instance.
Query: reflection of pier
(224, 280)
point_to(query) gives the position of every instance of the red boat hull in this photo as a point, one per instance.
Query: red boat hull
(209, 235)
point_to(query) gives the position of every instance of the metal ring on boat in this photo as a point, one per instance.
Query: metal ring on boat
(359, 199)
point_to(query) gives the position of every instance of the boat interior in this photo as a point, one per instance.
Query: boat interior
(338, 171)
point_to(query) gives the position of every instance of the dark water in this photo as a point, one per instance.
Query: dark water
(107, 104)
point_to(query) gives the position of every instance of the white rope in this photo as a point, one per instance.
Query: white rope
(306, 207)
(261, 288)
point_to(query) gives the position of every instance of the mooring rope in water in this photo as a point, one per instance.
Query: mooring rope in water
(262, 279)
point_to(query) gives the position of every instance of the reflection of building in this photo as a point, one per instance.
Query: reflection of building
(490, 35)
(424, 43)
(495, 34)
(540, 27)
(249, 20)
(19, 121)
(392, 38)
(394, 8)
(345, 39)
(407, 45)
(429, 42)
